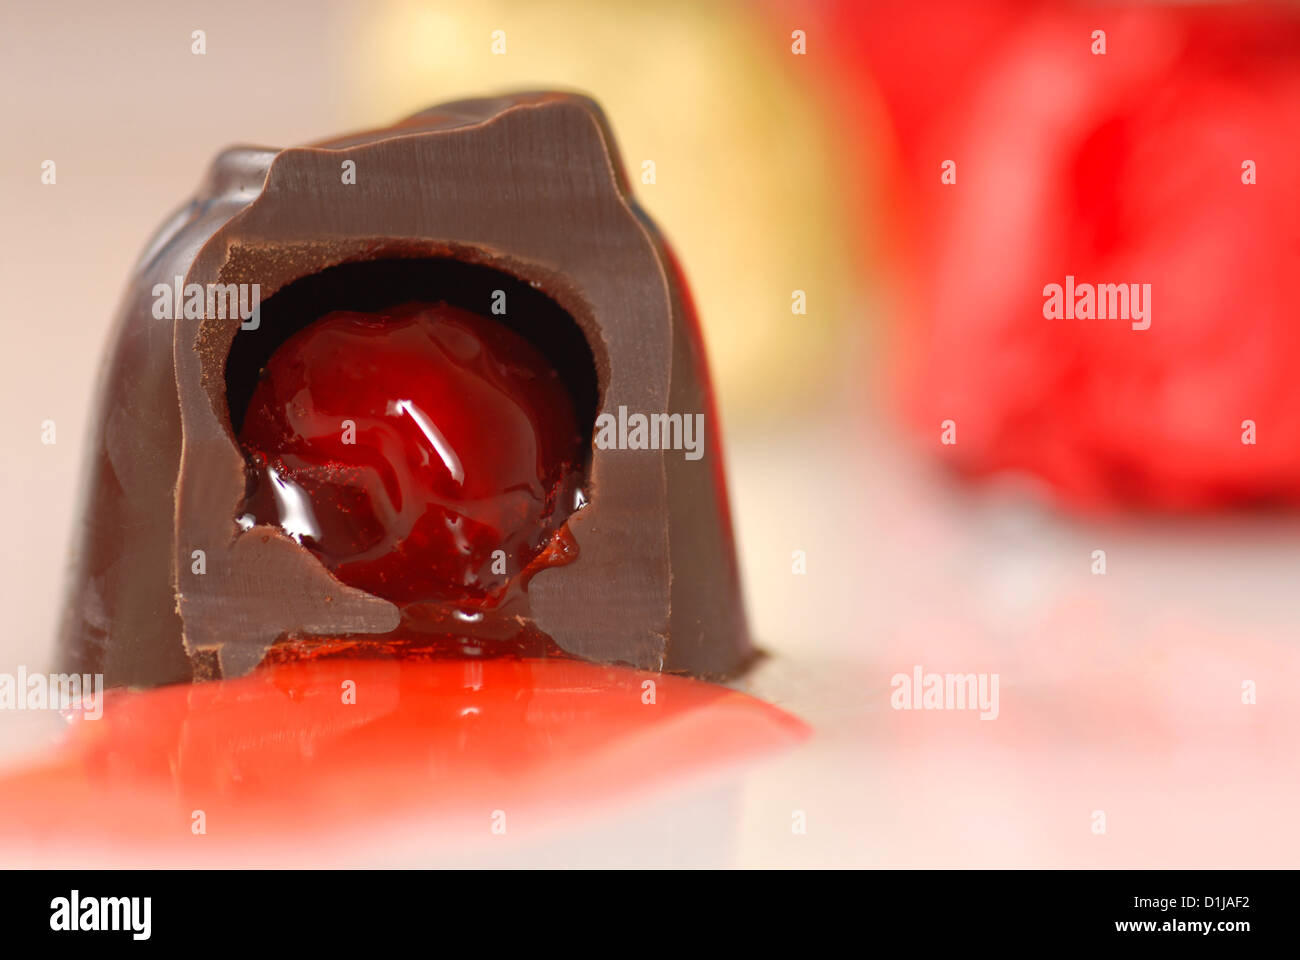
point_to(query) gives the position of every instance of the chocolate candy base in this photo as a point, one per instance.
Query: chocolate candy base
(166, 587)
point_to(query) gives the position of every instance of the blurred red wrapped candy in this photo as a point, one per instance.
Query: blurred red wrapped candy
(1132, 166)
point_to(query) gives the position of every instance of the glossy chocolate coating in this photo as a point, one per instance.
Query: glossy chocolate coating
(530, 185)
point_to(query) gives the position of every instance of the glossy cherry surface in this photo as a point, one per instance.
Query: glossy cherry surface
(424, 454)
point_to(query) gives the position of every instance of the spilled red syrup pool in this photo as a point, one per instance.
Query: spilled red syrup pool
(280, 761)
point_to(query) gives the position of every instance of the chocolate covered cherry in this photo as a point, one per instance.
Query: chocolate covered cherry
(423, 453)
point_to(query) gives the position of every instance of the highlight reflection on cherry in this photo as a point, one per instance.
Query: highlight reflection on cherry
(424, 453)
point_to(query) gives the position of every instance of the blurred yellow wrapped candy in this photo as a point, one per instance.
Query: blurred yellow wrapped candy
(744, 178)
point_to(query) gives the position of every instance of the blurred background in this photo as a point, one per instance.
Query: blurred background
(802, 147)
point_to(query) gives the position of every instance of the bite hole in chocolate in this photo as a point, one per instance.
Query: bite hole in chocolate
(370, 286)
(476, 397)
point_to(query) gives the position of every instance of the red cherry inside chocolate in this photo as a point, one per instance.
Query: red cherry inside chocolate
(423, 453)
